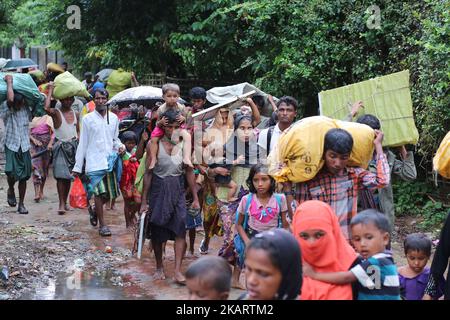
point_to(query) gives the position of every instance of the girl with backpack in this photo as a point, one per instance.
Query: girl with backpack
(261, 210)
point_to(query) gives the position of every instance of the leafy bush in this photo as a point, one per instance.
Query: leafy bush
(285, 47)
(413, 199)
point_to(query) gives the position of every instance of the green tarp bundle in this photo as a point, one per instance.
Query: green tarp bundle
(24, 84)
(66, 85)
(118, 81)
(388, 98)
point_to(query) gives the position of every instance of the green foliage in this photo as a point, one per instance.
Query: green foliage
(412, 199)
(284, 47)
(432, 76)
(303, 47)
(434, 215)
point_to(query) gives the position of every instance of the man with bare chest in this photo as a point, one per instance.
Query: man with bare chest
(65, 122)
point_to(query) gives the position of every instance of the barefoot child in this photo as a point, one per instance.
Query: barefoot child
(376, 273)
(131, 196)
(258, 211)
(225, 181)
(171, 94)
(414, 276)
(208, 278)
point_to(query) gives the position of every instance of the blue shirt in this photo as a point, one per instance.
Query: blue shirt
(377, 278)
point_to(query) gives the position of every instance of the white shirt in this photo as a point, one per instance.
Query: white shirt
(98, 140)
(262, 140)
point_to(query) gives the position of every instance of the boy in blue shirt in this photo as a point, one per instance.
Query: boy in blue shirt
(376, 273)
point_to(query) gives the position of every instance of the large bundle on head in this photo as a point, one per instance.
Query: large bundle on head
(37, 75)
(363, 147)
(441, 161)
(66, 85)
(118, 81)
(24, 84)
(54, 67)
(388, 98)
(298, 156)
(219, 95)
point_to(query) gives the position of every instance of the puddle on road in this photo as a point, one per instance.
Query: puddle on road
(85, 285)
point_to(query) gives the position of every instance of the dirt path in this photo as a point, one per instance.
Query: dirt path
(42, 249)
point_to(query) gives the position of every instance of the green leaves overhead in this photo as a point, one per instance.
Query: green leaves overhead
(285, 47)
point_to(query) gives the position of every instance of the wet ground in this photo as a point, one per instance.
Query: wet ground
(45, 256)
(48, 256)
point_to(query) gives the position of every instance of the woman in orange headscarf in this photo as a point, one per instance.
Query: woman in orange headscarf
(324, 248)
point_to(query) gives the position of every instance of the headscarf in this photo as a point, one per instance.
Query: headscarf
(236, 147)
(219, 132)
(330, 253)
(218, 121)
(38, 121)
(288, 258)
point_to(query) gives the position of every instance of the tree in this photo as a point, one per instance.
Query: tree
(285, 47)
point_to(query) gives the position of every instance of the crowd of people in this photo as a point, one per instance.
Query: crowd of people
(326, 238)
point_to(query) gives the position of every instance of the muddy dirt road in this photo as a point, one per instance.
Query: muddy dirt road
(47, 256)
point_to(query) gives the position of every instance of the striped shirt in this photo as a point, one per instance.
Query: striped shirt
(341, 192)
(16, 127)
(377, 278)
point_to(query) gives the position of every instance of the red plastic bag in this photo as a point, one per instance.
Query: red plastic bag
(78, 197)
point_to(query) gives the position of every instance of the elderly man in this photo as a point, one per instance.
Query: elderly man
(16, 116)
(99, 145)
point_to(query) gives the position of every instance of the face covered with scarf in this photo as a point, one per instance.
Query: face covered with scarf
(316, 228)
(243, 142)
(273, 266)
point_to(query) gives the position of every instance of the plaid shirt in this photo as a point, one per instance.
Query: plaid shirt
(341, 192)
(16, 127)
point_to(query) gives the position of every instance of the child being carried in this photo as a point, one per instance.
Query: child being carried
(171, 94)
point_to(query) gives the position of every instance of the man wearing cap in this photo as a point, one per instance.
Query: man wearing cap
(16, 116)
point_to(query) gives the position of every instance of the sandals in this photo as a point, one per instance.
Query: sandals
(12, 201)
(22, 209)
(104, 231)
(203, 249)
(92, 216)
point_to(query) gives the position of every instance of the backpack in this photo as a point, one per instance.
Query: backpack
(239, 244)
(247, 206)
(269, 138)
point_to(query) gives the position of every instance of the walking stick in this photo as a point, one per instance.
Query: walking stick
(141, 234)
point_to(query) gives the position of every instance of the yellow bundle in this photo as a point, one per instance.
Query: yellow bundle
(298, 156)
(363, 147)
(441, 161)
(54, 67)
